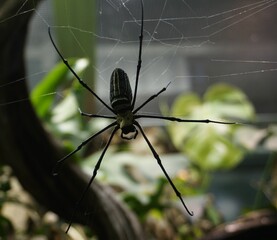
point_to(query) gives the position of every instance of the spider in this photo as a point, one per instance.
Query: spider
(125, 115)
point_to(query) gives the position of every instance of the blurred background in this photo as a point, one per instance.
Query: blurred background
(220, 60)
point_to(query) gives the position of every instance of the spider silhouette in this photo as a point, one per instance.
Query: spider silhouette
(125, 115)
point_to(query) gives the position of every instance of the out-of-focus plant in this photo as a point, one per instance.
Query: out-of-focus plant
(222, 147)
(212, 146)
(46, 93)
(263, 139)
(55, 99)
(141, 184)
(30, 221)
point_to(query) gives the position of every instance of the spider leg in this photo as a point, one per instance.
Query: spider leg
(75, 74)
(97, 166)
(95, 115)
(174, 119)
(150, 99)
(139, 57)
(58, 164)
(156, 156)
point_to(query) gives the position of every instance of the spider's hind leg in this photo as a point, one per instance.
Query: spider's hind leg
(97, 166)
(156, 156)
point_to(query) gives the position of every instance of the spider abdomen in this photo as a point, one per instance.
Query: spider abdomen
(120, 91)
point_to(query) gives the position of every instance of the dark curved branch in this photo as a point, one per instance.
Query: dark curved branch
(30, 151)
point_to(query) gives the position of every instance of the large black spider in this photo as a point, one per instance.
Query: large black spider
(125, 115)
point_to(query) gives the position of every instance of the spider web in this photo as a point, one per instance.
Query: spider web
(191, 44)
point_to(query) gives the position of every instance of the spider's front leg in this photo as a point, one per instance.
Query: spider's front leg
(91, 115)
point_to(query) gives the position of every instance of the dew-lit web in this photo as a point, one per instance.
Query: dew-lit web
(191, 44)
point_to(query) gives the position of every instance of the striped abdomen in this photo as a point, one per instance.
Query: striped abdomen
(120, 91)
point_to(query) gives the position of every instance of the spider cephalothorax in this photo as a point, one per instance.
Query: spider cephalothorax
(124, 115)
(126, 122)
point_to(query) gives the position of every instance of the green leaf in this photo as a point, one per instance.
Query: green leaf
(43, 95)
(211, 150)
(65, 109)
(229, 102)
(210, 146)
(185, 104)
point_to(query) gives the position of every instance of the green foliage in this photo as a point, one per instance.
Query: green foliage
(55, 99)
(138, 179)
(43, 97)
(211, 146)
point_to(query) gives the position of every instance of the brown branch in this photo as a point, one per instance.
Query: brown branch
(30, 151)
